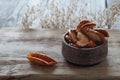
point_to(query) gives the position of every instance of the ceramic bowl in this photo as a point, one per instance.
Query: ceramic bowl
(84, 56)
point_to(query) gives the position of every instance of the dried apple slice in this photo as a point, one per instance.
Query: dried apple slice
(73, 35)
(91, 44)
(82, 40)
(81, 23)
(94, 35)
(67, 38)
(41, 59)
(104, 32)
(88, 26)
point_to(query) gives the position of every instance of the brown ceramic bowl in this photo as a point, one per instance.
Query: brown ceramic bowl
(84, 56)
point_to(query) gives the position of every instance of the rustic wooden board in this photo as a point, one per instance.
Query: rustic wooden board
(15, 44)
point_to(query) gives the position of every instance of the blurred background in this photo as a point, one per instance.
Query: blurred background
(28, 14)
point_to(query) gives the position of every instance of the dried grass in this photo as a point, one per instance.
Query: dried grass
(51, 15)
(113, 13)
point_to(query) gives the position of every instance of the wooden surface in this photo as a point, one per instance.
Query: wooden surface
(15, 44)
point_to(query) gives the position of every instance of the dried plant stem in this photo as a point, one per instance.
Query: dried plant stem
(51, 15)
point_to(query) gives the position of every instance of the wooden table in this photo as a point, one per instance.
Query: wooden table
(15, 44)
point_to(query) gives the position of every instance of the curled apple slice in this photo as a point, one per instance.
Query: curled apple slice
(82, 23)
(88, 26)
(91, 44)
(68, 39)
(40, 59)
(94, 35)
(82, 40)
(88, 30)
(72, 35)
(104, 32)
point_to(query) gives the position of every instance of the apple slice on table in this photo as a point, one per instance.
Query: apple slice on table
(41, 59)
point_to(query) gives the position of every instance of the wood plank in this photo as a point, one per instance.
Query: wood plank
(16, 44)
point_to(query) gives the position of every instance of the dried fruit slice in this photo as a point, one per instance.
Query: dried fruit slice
(67, 38)
(94, 35)
(82, 40)
(41, 59)
(73, 35)
(82, 23)
(88, 26)
(104, 32)
(91, 44)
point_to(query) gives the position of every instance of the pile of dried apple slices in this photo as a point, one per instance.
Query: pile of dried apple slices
(86, 35)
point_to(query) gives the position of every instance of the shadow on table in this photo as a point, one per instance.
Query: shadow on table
(42, 69)
(100, 69)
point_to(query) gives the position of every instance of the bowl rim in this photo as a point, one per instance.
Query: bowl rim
(63, 39)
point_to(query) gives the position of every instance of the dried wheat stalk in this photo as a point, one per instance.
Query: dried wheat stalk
(54, 16)
(113, 12)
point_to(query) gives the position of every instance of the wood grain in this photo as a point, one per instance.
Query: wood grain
(15, 44)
